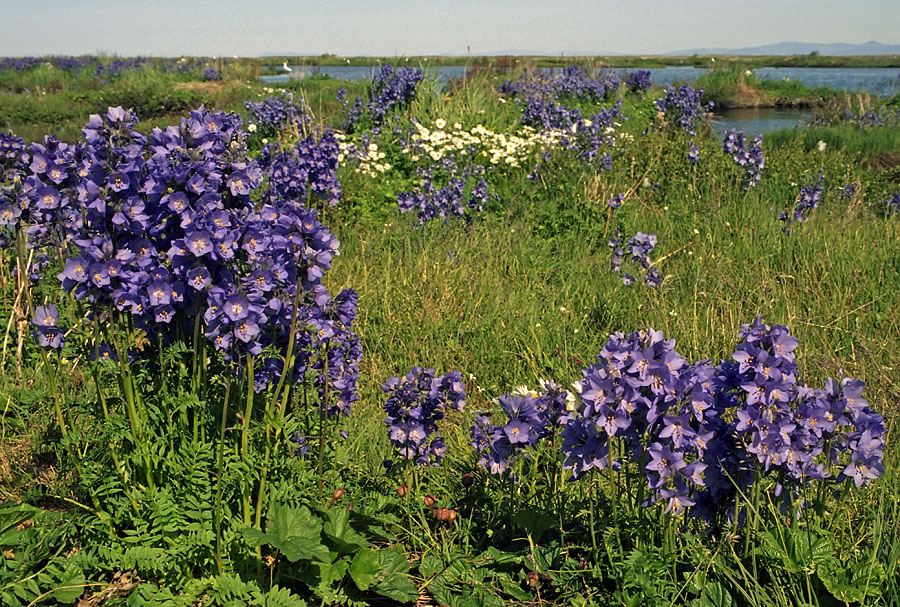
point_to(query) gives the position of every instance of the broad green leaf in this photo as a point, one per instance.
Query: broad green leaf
(296, 532)
(344, 537)
(288, 522)
(820, 551)
(254, 537)
(781, 548)
(307, 549)
(364, 567)
(71, 587)
(534, 523)
(393, 579)
(715, 595)
(430, 565)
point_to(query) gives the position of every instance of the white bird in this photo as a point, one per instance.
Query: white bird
(286, 67)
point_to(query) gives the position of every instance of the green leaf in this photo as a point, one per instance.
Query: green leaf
(715, 595)
(393, 579)
(364, 567)
(288, 522)
(282, 597)
(430, 566)
(534, 523)
(71, 587)
(814, 554)
(344, 537)
(295, 532)
(780, 548)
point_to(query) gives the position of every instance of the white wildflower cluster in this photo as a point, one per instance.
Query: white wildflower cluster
(369, 160)
(479, 143)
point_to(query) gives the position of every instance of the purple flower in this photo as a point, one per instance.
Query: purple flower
(749, 158)
(45, 316)
(414, 406)
(45, 321)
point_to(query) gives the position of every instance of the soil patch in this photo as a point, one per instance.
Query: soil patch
(213, 86)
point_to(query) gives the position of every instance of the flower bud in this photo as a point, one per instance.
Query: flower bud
(468, 479)
(402, 490)
(337, 495)
(429, 500)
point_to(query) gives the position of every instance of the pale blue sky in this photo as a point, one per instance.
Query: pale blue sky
(416, 27)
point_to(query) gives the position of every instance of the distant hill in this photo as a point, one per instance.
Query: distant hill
(800, 48)
(780, 48)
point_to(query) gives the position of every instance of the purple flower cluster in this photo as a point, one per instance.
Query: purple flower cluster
(465, 194)
(415, 405)
(639, 81)
(106, 69)
(391, 89)
(574, 83)
(892, 205)
(211, 73)
(615, 202)
(48, 333)
(702, 434)
(693, 154)
(682, 106)
(638, 248)
(545, 113)
(279, 113)
(162, 229)
(13, 158)
(848, 191)
(112, 69)
(807, 200)
(19, 64)
(750, 158)
(306, 173)
(870, 118)
(530, 418)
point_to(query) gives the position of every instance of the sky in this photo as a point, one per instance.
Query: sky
(172, 28)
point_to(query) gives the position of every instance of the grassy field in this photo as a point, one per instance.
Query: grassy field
(161, 479)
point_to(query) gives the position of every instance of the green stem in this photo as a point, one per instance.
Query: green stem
(591, 519)
(113, 450)
(126, 383)
(220, 466)
(245, 439)
(57, 407)
(323, 422)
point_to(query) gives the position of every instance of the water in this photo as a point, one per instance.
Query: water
(878, 80)
(759, 120)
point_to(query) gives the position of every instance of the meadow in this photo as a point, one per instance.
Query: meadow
(551, 341)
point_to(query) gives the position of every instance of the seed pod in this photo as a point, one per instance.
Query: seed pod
(532, 579)
(468, 479)
(451, 516)
(442, 514)
(402, 490)
(429, 500)
(337, 495)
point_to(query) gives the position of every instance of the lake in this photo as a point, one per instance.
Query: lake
(880, 80)
(759, 120)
